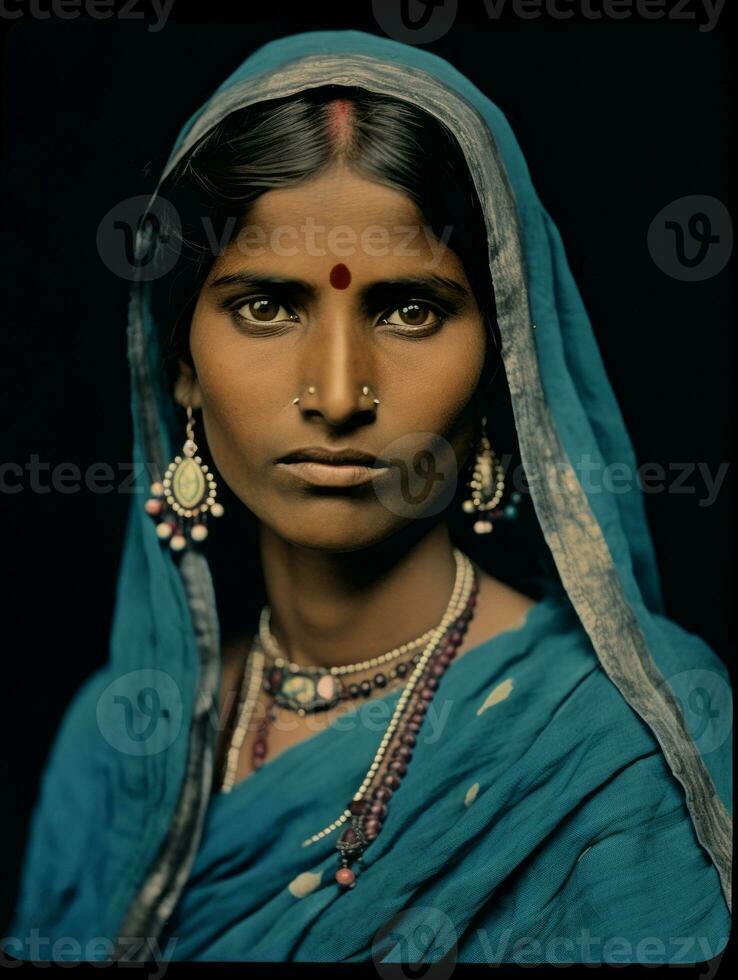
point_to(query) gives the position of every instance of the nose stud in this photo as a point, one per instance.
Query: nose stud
(365, 390)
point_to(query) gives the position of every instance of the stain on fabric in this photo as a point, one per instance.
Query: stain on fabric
(471, 794)
(497, 694)
(304, 883)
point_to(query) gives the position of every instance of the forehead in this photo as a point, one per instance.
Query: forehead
(334, 198)
(339, 217)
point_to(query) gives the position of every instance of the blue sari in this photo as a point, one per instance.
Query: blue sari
(473, 854)
(569, 798)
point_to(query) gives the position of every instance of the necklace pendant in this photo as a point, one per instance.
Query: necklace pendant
(351, 846)
(305, 691)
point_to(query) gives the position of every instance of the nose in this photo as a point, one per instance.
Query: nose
(338, 367)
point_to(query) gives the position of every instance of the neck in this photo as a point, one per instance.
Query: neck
(330, 609)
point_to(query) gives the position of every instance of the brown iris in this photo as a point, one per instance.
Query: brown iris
(413, 314)
(263, 309)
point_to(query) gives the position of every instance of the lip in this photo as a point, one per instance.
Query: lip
(334, 457)
(333, 468)
(332, 474)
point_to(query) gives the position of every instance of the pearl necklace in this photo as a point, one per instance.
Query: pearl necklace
(307, 690)
(271, 648)
(368, 807)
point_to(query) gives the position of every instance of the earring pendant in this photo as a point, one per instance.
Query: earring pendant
(487, 486)
(185, 497)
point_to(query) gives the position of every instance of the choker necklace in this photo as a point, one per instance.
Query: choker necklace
(367, 810)
(306, 690)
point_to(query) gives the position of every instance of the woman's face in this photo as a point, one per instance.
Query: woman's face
(337, 284)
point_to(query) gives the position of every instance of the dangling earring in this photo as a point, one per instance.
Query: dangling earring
(487, 486)
(188, 492)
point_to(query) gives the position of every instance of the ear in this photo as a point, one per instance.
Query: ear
(186, 387)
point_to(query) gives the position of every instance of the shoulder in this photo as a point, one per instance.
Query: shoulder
(699, 681)
(643, 867)
(642, 871)
(65, 816)
(80, 750)
(616, 875)
(79, 730)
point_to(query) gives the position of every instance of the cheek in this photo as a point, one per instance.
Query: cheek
(238, 394)
(436, 386)
(456, 374)
(464, 364)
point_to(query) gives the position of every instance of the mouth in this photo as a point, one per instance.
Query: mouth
(333, 468)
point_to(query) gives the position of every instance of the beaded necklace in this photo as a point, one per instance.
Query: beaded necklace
(306, 690)
(368, 807)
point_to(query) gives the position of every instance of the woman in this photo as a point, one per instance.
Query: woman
(325, 732)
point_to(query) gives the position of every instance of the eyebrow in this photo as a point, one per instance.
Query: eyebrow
(372, 296)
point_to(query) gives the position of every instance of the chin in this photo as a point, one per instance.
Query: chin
(333, 526)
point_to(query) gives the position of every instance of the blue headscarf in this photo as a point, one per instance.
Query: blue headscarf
(123, 818)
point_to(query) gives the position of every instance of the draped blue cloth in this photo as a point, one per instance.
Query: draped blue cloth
(570, 795)
(611, 871)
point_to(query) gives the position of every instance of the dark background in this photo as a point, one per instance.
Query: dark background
(616, 120)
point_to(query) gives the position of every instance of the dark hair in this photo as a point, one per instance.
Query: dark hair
(282, 142)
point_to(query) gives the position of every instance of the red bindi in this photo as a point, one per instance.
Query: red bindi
(340, 276)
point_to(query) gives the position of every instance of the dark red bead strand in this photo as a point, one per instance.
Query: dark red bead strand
(259, 748)
(428, 684)
(407, 732)
(369, 813)
(352, 692)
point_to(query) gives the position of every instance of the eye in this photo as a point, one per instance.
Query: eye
(263, 309)
(415, 315)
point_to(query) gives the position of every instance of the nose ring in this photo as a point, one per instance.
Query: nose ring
(311, 391)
